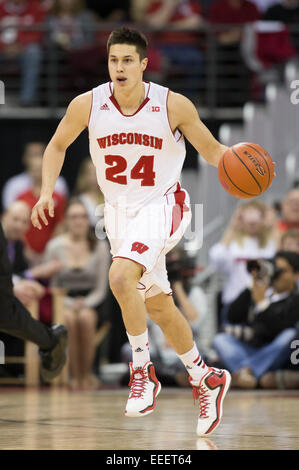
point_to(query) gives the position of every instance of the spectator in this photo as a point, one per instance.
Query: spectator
(266, 49)
(110, 10)
(230, 68)
(286, 11)
(289, 211)
(181, 44)
(248, 236)
(23, 182)
(85, 278)
(24, 47)
(73, 35)
(192, 302)
(36, 240)
(71, 25)
(290, 240)
(266, 316)
(88, 191)
(15, 223)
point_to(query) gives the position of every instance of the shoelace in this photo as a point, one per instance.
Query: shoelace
(137, 383)
(202, 394)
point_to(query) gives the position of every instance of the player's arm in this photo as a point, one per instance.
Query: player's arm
(72, 124)
(184, 116)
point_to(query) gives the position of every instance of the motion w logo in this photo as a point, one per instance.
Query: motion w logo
(139, 247)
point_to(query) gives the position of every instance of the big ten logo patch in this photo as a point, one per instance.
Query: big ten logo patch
(139, 247)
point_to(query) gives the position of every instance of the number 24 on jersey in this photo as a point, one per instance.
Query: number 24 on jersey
(143, 170)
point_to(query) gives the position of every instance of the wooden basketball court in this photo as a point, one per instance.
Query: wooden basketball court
(60, 419)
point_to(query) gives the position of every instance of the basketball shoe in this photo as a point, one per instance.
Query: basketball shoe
(145, 387)
(210, 393)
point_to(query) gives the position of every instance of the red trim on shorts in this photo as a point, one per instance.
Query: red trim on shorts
(141, 288)
(178, 210)
(124, 257)
(178, 187)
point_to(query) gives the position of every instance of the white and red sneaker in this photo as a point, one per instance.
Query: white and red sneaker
(145, 387)
(210, 392)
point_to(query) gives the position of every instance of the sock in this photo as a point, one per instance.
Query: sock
(140, 349)
(194, 364)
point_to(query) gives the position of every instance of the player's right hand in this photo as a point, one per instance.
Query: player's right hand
(38, 211)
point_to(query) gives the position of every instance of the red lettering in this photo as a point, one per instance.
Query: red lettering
(145, 140)
(108, 140)
(138, 139)
(130, 138)
(102, 142)
(122, 138)
(139, 247)
(115, 139)
(158, 143)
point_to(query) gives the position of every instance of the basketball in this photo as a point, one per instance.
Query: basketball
(246, 170)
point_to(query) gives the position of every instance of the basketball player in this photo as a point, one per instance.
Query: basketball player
(136, 135)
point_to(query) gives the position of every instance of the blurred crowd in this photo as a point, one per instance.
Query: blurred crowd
(253, 42)
(257, 260)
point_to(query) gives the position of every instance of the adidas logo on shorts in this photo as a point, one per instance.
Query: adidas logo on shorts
(138, 350)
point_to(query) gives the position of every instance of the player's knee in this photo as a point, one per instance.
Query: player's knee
(122, 279)
(158, 315)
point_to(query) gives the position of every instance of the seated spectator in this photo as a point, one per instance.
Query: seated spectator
(192, 302)
(286, 11)
(85, 278)
(266, 49)
(73, 35)
(110, 10)
(88, 191)
(230, 68)
(15, 223)
(180, 45)
(23, 47)
(289, 211)
(27, 288)
(36, 240)
(248, 236)
(71, 25)
(290, 240)
(263, 323)
(23, 182)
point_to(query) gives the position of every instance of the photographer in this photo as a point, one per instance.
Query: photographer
(263, 321)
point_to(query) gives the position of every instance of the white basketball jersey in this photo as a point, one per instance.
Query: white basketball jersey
(137, 157)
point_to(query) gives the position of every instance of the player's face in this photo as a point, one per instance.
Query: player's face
(125, 67)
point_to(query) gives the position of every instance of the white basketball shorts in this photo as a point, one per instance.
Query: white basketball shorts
(147, 235)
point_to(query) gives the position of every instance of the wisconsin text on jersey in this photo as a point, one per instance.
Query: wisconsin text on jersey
(130, 138)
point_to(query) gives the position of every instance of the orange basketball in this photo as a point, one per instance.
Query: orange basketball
(246, 170)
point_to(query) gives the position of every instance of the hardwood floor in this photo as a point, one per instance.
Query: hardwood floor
(59, 419)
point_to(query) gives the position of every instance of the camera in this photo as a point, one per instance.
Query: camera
(266, 269)
(181, 268)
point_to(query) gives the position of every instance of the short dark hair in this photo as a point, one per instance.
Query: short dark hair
(291, 257)
(132, 37)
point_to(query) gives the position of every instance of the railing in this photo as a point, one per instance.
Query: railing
(214, 76)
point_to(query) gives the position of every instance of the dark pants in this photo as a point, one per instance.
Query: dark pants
(14, 317)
